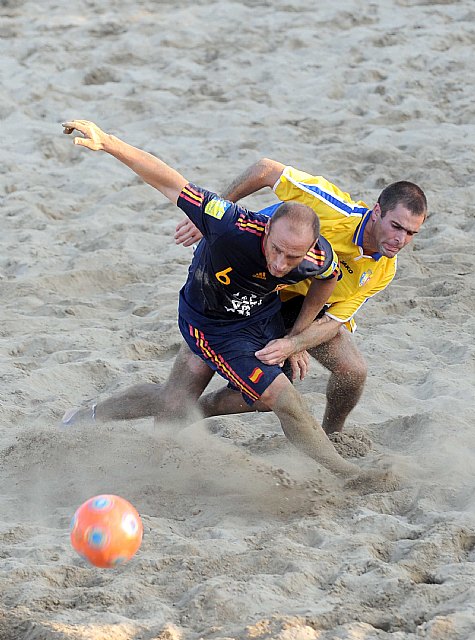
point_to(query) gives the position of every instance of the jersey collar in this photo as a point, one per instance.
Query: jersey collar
(358, 237)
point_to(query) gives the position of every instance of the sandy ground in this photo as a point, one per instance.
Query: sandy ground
(244, 538)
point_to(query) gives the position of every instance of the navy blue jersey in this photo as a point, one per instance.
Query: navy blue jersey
(228, 281)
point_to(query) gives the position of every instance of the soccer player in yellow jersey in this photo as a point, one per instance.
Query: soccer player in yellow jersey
(366, 241)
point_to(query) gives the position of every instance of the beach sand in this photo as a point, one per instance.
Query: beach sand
(244, 538)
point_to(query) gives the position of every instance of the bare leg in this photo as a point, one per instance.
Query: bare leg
(188, 379)
(345, 386)
(348, 375)
(225, 401)
(302, 429)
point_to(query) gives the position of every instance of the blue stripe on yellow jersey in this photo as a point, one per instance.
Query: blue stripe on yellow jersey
(332, 200)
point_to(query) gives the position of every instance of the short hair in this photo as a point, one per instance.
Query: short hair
(299, 215)
(405, 193)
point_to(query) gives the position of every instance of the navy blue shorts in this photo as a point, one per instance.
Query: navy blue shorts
(231, 353)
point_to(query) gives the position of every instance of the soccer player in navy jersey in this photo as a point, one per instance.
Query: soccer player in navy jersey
(367, 241)
(229, 305)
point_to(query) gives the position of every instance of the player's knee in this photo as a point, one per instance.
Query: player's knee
(354, 371)
(271, 394)
(281, 394)
(360, 370)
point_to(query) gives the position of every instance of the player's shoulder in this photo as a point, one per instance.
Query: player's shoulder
(322, 192)
(298, 177)
(251, 221)
(323, 245)
(210, 202)
(321, 261)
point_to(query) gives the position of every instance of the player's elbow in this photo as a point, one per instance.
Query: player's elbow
(269, 170)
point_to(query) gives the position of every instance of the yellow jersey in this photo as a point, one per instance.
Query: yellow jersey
(342, 222)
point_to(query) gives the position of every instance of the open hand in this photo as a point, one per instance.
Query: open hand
(186, 233)
(300, 363)
(276, 351)
(94, 137)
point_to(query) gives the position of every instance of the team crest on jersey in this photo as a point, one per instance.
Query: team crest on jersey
(217, 207)
(243, 304)
(364, 277)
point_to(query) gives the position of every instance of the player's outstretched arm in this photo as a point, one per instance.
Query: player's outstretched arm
(263, 173)
(151, 169)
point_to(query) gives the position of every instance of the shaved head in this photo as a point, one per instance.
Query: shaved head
(290, 234)
(300, 219)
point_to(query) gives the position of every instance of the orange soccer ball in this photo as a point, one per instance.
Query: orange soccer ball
(106, 530)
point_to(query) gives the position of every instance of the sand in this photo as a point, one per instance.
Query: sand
(244, 537)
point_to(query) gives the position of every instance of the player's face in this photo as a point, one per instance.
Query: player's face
(391, 233)
(284, 248)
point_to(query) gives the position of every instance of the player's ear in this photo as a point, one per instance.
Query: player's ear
(376, 211)
(267, 227)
